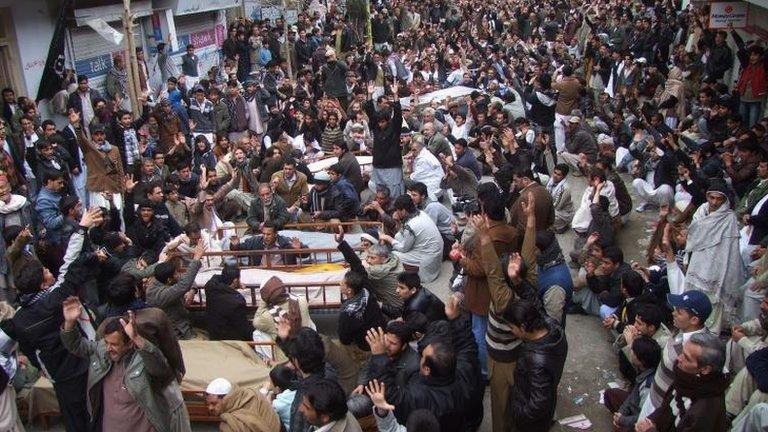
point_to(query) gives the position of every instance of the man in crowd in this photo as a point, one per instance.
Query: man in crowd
(269, 240)
(172, 290)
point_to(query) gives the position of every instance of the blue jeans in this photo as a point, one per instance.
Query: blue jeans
(750, 112)
(479, 326)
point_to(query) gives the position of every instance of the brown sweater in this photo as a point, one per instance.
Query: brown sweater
(477, 298)
(545, 211)
(105, 169)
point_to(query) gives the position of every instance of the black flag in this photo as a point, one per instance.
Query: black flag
(53, 74)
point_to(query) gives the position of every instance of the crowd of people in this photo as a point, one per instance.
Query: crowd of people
(107, 221)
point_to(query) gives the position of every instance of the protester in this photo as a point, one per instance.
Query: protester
(226, 314)
(145, 404)
(418, 244)
(239, 408)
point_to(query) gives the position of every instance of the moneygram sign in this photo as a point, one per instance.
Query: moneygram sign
(725, 14)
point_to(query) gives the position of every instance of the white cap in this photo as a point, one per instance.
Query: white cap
(219, 387)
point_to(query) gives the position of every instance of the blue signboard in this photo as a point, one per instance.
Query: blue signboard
(94, 66)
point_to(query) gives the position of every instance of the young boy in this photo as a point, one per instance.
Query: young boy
(284, 390)
(625, 406)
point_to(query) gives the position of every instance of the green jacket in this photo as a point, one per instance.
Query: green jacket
(439, 145)
(221, 118)
(759, 189)
(165, 410)
(170, 298)
(278, 213)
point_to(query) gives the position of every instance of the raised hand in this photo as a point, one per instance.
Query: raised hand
(131, 331)
(91, 217)
(283, 326)
(527, 205)
(295, 243)
(452, 306)
(339, 236)
(189, 297)
(513, 268)
(70, 309)
(377, 392)
(26, 233)
(375, 339)
(129, 183)
(480, 224)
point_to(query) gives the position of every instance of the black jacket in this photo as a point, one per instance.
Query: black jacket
(36, 327)
(608, 287)
(720, 60)
(146, 237)
(355, 320)
(386, 142)
(539, 368)
(423, 302)
(225, 312)
(257, 243)
(543, 103)
(455, 400)
(342, 201)
(71, 146)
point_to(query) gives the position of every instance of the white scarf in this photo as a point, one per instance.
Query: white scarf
(16, 203)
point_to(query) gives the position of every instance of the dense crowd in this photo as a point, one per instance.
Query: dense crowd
(107, 222)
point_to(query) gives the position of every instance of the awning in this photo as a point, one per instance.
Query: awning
(186, 7)
(112, 12)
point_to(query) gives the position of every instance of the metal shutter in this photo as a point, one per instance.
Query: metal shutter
(93, 54)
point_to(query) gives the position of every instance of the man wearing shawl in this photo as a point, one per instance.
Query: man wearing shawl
(241, 409)
(712, 249)
(671, 98)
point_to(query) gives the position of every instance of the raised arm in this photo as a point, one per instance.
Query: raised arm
(528, 250)
(70, 335)
(500, 293)
(167, 296)
(355, 264)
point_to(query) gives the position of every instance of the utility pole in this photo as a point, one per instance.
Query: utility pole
(133, 81)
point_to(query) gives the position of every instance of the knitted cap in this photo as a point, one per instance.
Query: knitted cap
(273, 291)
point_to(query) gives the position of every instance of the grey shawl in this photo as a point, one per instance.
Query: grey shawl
(714, 265)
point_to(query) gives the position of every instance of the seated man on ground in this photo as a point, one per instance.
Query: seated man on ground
(267, 207)
(648, 322)
(440, 214)
(747, 338)
(341, 199)
(698, 378)
(603, 293)
(625, 406)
